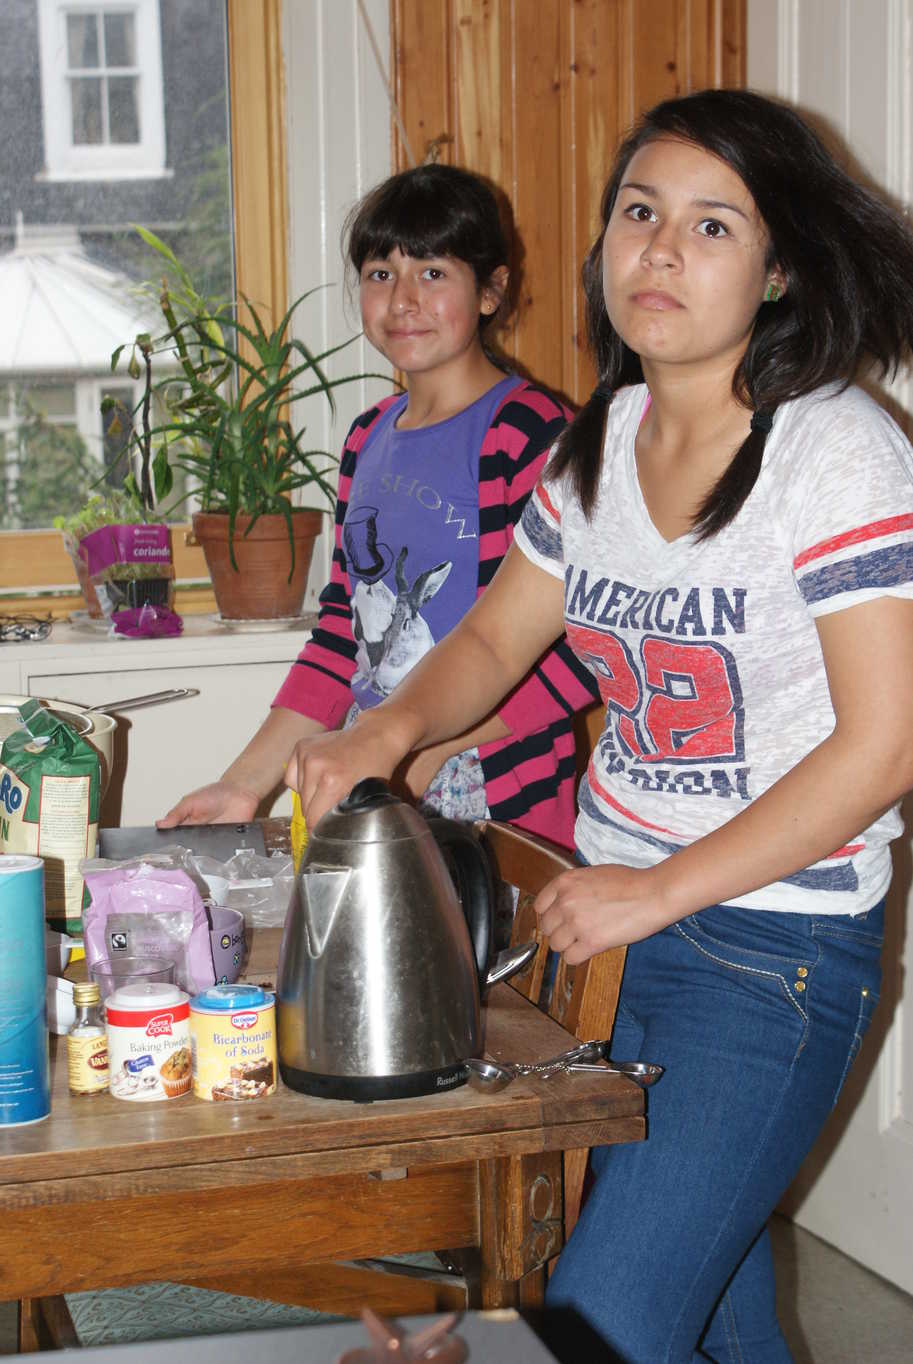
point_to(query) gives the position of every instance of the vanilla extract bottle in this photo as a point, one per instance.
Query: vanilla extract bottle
(87, 1043)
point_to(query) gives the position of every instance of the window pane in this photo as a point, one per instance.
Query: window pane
(72, 273)
(51, 400)
(47, 462)
(85, 97)
(82, 41)
(120, 42)
(7, 519)
(117, 425)
(123, 113)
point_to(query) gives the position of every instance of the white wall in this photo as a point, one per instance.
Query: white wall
(338, 126)
(850, 62)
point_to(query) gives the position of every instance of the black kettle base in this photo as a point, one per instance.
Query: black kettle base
(368, 1088)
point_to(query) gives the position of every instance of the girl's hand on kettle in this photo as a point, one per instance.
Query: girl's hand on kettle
(324, 769)
(590, 909)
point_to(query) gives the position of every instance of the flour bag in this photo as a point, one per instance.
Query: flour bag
(50, 788)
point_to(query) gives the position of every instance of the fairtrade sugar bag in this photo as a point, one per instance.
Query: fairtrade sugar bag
(50, 786)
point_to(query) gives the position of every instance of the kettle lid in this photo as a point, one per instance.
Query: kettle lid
(368, 814)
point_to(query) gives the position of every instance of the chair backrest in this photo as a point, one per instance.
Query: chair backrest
(582, 998)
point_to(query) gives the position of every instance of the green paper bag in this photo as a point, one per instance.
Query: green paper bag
(50, 786)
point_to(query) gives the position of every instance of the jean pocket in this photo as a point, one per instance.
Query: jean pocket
(865, 929)
(773, 949)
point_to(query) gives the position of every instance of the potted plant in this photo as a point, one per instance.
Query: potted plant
(120, 548)
(115, 507)
(229, 426)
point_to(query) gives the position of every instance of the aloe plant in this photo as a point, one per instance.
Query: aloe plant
(229, 405)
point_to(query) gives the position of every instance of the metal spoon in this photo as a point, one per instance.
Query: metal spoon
(154, 698)
(492, 1076)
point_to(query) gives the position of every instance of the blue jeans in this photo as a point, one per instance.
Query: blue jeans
(757, 1018)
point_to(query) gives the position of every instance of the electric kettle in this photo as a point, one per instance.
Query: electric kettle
(382, 962)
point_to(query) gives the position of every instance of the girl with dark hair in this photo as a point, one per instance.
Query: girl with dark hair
(431, 485)
(725, 533)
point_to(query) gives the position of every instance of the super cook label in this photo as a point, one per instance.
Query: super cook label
(149, 1042)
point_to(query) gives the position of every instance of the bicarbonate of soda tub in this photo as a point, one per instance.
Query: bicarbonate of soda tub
(233, 1038)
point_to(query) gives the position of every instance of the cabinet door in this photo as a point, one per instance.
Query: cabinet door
(162, 752)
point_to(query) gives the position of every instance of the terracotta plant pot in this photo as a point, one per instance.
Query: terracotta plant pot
(259, 589)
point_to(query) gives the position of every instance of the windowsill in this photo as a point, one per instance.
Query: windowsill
(202, 634)
(105, 173)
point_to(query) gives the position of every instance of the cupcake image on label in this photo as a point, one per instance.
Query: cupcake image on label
(175, 1073)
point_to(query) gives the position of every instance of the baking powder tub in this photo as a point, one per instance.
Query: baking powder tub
(233, 1039)
(148, 1029)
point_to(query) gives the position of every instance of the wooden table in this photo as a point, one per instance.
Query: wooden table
(108, 1192)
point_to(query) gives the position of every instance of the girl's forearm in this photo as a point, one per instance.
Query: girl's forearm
(453, 693)
(260, 766)
(455, 689)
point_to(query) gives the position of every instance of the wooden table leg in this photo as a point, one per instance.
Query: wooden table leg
(46, 1324)
(29, 1319)
(521, 1227)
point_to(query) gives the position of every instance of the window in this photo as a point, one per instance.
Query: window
(54, 444)
(36, 559)
(101, 86)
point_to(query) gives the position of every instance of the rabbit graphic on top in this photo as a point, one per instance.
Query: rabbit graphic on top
(391, 633)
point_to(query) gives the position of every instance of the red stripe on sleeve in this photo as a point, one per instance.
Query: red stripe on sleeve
(873, 531)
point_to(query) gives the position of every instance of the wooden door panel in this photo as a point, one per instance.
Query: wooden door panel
(535, 94)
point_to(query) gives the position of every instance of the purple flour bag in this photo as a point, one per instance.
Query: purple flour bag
(142, 910)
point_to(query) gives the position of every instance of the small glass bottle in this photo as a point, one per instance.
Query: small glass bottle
(87, 1042)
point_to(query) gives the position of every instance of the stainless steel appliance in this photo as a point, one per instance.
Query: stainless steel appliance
(381, 960)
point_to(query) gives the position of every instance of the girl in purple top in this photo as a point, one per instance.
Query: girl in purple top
(432, 483)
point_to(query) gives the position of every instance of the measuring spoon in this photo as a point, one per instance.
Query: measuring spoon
(492, 1076)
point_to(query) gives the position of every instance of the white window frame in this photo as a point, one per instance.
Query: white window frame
(104, 161)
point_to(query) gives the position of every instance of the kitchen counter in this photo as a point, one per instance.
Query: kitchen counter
(163, 751)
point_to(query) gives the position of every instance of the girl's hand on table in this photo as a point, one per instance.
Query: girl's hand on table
(220, 802)
(590, 909)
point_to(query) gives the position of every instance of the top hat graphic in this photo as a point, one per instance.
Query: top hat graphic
(368, 560)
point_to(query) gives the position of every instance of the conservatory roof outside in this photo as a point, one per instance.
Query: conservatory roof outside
(62, 313)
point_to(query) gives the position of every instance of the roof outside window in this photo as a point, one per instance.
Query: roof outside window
(62, 313)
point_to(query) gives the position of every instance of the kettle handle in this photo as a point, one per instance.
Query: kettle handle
(469, 865)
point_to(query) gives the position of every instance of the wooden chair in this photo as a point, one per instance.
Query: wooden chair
(583, 999)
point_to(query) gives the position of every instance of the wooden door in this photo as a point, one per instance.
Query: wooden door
(535, 94)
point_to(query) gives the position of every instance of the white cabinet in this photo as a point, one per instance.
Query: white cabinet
(163, 751)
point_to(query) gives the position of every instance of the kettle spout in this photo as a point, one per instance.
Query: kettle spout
(320, 890)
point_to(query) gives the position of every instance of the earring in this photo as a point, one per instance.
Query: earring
(773, 293)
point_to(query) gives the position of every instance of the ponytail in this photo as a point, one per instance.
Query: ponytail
(725, 499)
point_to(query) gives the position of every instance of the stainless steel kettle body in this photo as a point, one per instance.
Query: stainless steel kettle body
(378, 985)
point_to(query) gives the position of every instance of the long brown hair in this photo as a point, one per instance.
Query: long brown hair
(848, 261)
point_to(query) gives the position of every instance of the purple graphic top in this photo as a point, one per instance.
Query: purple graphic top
(411, 539)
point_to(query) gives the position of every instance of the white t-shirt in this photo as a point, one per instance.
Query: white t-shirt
(706, 654)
